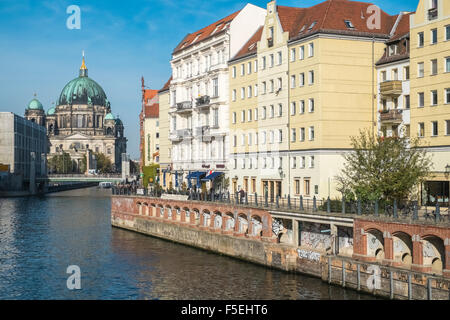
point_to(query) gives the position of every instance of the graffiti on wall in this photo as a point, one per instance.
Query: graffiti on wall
(345, 236)
(309, 255)
(311, 236)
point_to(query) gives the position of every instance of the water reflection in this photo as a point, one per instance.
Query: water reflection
(41, 236)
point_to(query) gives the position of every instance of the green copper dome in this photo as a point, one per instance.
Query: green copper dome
(83, 90)
(109, 116)
(35, 104)
(51, 111)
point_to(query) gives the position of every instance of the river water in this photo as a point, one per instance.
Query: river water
(40, 237)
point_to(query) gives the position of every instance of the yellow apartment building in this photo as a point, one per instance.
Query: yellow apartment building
(430, 92)
(165, 144)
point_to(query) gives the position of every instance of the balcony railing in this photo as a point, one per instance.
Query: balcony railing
(203, 101)
(185, 106)
(200, 131)
(391, 88)
(432, 14)
(391, 116)
(179, 135)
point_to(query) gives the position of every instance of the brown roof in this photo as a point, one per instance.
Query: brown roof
(152, 111)
(251, 46)
(206, 32)
(149, 94)
(402, 29)
(166, 86)
(400, 37)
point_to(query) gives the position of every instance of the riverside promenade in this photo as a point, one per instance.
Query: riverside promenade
(394, 256)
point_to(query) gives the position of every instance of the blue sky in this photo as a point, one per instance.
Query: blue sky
(123, 41)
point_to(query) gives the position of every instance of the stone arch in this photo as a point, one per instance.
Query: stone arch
(230, 222)
(433, 253)
(218, 220)
(243, 223)
(375, 244)
(403, 248)
(256, 225)
(206, 218)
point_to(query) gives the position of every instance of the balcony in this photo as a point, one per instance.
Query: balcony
(201, 131)
(432, 14)
(391, 116)
(203, 101)
(391, 88)
(184, 107)
(180, 135)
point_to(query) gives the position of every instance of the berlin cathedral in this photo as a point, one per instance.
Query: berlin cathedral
(81, 121)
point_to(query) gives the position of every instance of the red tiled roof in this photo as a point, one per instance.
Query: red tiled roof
(400, 36)
(402, 28)
(166, 85)
(152, 111)
(149, 94)
(204, 33)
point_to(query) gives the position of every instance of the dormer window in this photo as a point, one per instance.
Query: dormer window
(349, 24)
(217, 27)
(196, 37)
(302, 29)
(392, 50)
(312, 25)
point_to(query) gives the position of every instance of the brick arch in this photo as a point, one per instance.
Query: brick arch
(402, 248)
(242, 223)
(375, 243)
(230, 222)
(256, 225)
(434, 255)
(218, 220)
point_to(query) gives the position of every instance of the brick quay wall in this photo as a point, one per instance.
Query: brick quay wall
(247, 234)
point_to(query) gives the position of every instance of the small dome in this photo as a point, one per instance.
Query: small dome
(35, 104)
(118, 121)
(109, 116)
(51, 111)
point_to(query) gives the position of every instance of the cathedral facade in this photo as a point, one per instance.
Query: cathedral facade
(81, 120)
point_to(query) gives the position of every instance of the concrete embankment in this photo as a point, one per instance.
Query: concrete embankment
(197, 225)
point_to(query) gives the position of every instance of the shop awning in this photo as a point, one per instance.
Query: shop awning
(212, 176)
(195, 175)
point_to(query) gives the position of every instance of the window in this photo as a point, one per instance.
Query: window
(243, 116)
(311, 105)
(216, 118)
(280, 136)
(264, 138)
(302, 134)
(301, 79)
(293, 135)
(242, 93)
(406, 73)
(234, 141)
(249, 91)
(272, 86)
(447, 96)
(216, 87)
(256, 65)
(311, 133)
(311, 161)
(434, 97)
(395, 74)
(280, 110)
(434, 67)
(249, 68)
(349, 24)
(420, 70)
(256, 90)
(434, 129)
(303, 162)
(272, 61)
(302, 107)
(242, 139)
(301, 54)
(420, 39)
(250, 140)
(272, 111)
(293, 108)
(293, 82)
(297, 186)
(293, 51)
(249, 115)
(264, 115)
(447, 127)
(243, 163)
(280, 57)
(421, 99)
(311, 77)
(264, 87)
(280, 84)
(447, 64)
(256, 114)
(234, 95)
(384, 75)
(271, 32)
(264, 63)
(407, 102)
(294, 163)
(242, 69)
(271, 137)
(256, 142)
(234, 117)
(311, 50)
(434, 35)
(421, 130)
(234, 72)
(447, 33)
(307, 187)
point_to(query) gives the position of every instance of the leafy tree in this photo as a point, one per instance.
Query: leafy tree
(383, 168)
(150, 173)
(61, 164)
(104, 164)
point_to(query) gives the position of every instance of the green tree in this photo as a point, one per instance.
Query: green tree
(150, 174)
(383, 168)
(104, 164)
(61, 164)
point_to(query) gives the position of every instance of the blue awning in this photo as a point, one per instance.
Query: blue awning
(195, 175)
(212, 176)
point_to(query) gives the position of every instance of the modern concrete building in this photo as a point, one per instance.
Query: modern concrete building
(430, 92)
(23, 147)
(199, 95)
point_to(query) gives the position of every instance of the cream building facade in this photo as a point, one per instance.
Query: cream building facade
(430, 92)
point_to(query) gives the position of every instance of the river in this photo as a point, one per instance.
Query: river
(40, 237)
